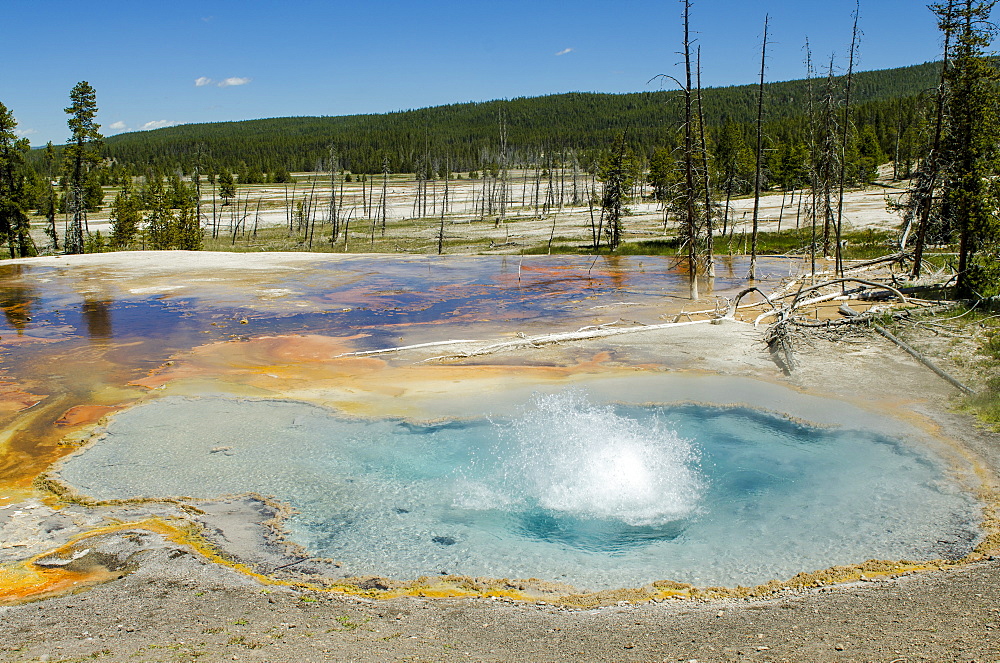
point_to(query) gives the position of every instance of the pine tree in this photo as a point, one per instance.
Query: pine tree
(49, 204)
(734, 163)
(80, 155)
(14, 227)
(662, 173)
(227, 187)
(617, 177)
(125, 219)
(160, 221)
(187, 234)
(970, 197)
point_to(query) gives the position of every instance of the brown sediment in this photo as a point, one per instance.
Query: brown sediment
(13, 398)
(82, 415)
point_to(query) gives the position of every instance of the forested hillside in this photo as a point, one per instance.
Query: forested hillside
(468, 135)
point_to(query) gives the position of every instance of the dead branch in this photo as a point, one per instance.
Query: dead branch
(731, 309)
(551, 339)
(779, 342)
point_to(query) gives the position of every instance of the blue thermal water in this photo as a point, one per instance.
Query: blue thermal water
(566, 490)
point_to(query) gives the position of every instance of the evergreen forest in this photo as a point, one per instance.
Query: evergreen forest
(887, 103)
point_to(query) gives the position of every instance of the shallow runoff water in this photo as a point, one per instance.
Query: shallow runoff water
(564, 487)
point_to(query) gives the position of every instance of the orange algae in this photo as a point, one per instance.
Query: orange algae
(29, 580)
(23, 581)
(317, 369)
(14, 399)
(82, 415)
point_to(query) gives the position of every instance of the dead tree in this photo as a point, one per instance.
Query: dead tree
(921, 196)
(334, 210)
(385, 185)
(709, 239)
(839, 260)
(444, 205)
(501, 216)
(813, 159)
(758, 156)
(690, 190)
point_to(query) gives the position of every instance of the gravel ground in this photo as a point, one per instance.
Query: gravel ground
(170, 615)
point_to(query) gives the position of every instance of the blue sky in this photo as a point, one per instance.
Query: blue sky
(156, 64)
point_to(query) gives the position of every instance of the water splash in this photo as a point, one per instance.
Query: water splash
(573, 457)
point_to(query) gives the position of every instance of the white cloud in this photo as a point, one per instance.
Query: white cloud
(25, 132)
(118, 126)
(235, 80)
(564, 51)
(158, 124)
(202, 81)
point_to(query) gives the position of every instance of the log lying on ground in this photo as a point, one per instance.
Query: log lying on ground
(798, 303)
(865, 318)
(847, 310)
(582, 334)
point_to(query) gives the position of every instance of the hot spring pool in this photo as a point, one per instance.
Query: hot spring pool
(565, 488)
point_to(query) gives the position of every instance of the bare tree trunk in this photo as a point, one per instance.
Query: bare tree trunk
(444, 205)
(929, 169)
(482, 197)
(538, 181)
(385, 185)
(759, 153)
(839, 261)
(347, 224)
(593, 224)
(502, 174)
(576, 165)
(725, 211)
(690, 194)
(334, 211)
(709, 239)
(311, 213)
(814, 159)
(256, 219)
(781, 210)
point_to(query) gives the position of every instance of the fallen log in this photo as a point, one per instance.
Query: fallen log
(847, 310)
(523, 341)
(796, 303)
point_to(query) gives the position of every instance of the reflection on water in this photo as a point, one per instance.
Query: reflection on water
(17, 300)
(97, 316)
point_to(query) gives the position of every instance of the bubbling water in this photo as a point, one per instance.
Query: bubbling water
(573, 458)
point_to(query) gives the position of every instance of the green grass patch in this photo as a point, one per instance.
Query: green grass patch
(860, 245)
(986, 406)
(986, 403)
